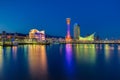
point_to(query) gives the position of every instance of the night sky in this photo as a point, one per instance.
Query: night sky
(100, 16)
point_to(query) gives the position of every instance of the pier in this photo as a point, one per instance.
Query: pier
(15, 43)
(93, 42)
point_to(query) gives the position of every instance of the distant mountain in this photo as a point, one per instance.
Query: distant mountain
(47, 35)
(19, 34)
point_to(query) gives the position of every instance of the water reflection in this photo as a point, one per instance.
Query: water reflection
(25, 50)
(69, 65)
(1, 60)
(118, 47)
(37, 61)
(85, 53)
(69, 52)
(75, 61)
(8, 51)
(108, 50)
(14, 50)
(61, 47)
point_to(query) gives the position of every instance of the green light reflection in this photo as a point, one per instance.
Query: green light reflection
(85, 53)
(1, 59)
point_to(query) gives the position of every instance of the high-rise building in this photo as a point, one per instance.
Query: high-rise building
(68, 37)
(76, 31)
(77, 35)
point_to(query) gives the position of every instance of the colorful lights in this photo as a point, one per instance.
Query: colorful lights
(14, 50)
(37, 60)
(35, 34)
(76, 33)
(88, 38)
(85, 53)
(68, 37)
(108, 50)
(69, 52)
(68, 21)
(1, 58)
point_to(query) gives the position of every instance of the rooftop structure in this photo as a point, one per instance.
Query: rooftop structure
(77, 35)
(88, 38)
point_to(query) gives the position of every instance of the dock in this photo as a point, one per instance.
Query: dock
(16, 43)
(92, 42)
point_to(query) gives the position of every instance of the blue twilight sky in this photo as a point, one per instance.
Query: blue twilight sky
(100, 16)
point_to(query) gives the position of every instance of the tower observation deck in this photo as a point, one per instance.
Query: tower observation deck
(68, 37)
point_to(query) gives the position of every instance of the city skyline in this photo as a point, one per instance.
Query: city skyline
(101, 16)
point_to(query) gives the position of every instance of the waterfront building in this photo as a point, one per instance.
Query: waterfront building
(77, 35)
(76, 31)
(4, 35)
(68, 37)
(87, 38)
(8, 36)
(36, 34)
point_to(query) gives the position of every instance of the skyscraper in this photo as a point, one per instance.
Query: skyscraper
(68, 37)
(76, 31)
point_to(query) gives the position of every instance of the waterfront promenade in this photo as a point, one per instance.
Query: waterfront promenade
(95, 42)
(15, 43)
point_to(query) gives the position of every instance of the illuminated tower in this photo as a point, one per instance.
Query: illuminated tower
(68, 37)
(76, 31)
